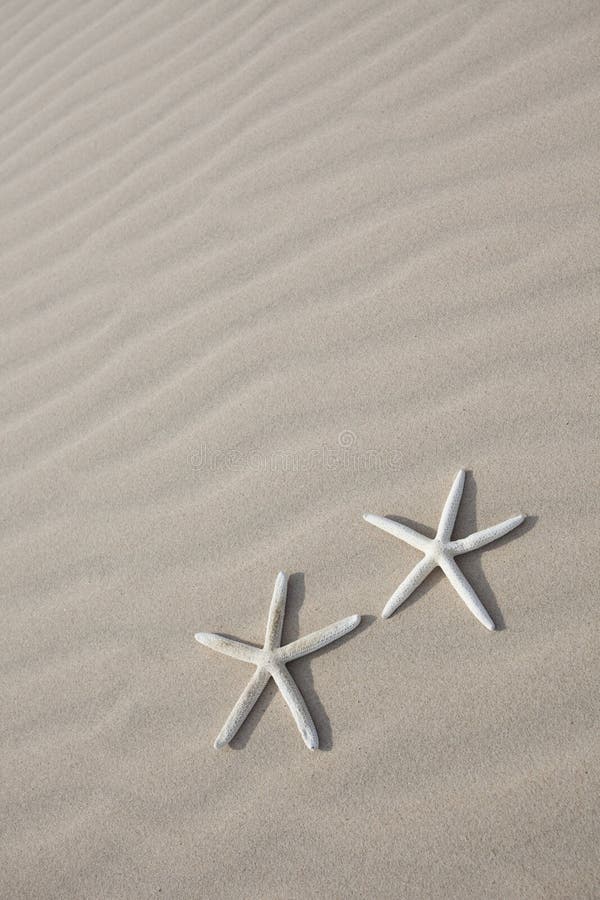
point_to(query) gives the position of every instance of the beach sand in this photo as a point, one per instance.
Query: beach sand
(266, 267)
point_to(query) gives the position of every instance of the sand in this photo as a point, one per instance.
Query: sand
(265, 267)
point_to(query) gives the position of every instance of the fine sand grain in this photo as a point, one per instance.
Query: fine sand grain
(265, 267)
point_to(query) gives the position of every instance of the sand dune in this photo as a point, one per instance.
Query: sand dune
(265, 267)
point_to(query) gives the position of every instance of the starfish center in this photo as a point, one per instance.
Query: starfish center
(269, 659)
(439, 547)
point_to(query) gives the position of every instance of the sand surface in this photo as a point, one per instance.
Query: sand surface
(265, 266)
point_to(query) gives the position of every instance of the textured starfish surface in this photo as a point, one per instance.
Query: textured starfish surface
(441, 550)
(271, 662)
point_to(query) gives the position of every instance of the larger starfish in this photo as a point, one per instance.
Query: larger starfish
(271, 661)
(441, 550)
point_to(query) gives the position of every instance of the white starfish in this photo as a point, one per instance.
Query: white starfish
(440, 551)
(271, 661)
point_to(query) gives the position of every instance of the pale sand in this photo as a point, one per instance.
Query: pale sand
(249, 228)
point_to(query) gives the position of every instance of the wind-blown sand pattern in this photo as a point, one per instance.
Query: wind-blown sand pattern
(264, 266)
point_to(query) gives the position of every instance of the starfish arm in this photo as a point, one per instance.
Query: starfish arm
(240, 711)
(276, 613)
(481, 538)
(403, 532)
(229, 647)
(311, 642)
(410, 583)
(450, 510)
(466, 592)
(295, 701)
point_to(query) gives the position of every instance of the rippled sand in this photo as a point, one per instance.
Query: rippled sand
(265, 267)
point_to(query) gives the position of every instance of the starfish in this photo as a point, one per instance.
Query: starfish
(441, 550)
(271, 661)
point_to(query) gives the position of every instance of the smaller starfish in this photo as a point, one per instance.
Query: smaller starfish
(271, 661)
(440, 551)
